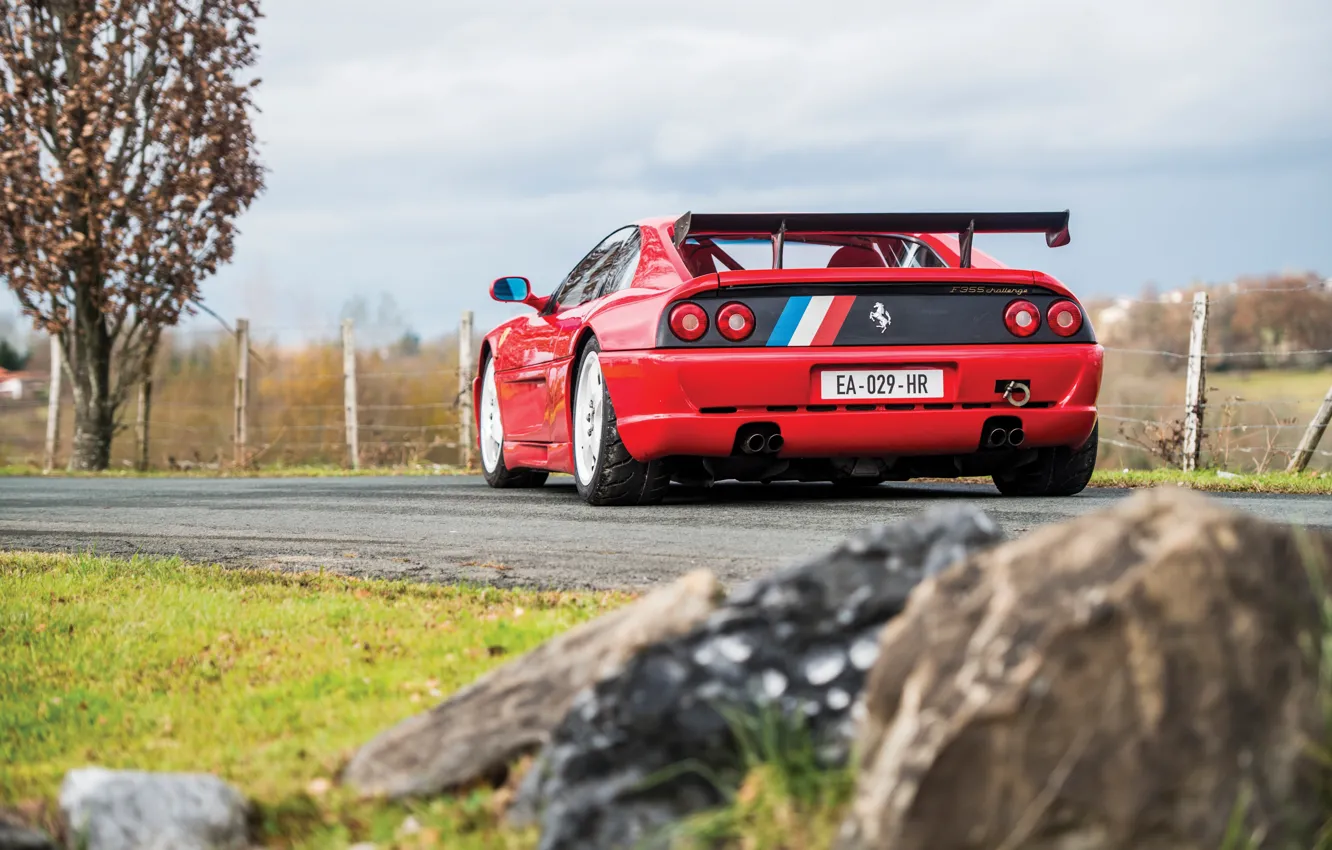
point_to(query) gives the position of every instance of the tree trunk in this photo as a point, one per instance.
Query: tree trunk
(94, 409)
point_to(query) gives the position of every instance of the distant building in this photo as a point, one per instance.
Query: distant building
(16, 386)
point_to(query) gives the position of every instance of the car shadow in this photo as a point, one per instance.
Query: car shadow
(737, 492)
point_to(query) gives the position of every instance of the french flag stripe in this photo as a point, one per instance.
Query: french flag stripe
(811, 320)
(832, 322)
(788, 320)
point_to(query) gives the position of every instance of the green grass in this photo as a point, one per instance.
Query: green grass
(272, 680)
(268, 680)
(1319, 483)
(1270, 385)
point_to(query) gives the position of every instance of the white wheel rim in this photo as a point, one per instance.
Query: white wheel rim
(492, 428)
(588, 416)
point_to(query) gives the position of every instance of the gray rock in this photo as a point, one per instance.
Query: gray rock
(133, 810)
(1139, 677)
(17, 836)
(477, 732)
(793, 648)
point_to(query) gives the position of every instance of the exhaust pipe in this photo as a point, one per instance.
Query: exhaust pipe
(775, 443)
(996, 438)
(1015, 437)
(754, 443)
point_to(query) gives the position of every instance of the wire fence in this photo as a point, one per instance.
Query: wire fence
(292, 410)
(1264, 363)
(218, 401)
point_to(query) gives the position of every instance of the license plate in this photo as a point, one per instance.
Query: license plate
(857, 384)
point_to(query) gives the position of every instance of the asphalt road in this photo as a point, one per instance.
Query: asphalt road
(449, 528)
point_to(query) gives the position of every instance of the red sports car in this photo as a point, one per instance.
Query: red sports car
(853, 348)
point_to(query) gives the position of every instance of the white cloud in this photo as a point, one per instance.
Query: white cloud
(422, 148)
(986, 81)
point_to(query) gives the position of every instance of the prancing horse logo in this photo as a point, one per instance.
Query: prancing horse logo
(880, 317)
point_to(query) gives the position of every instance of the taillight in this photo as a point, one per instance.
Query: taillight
(1064, 318)
(735, 321)
(689, 322)
(1022, 318)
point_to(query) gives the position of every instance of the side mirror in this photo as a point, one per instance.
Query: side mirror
(511, 289)
(517, 290)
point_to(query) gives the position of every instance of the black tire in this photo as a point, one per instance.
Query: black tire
(1058, 472)
(501, 477)
(617, 479)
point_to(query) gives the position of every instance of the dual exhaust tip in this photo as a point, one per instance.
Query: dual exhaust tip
(1000, 437)
(757, 443)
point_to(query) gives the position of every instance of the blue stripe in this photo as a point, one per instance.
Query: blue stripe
(788, 320)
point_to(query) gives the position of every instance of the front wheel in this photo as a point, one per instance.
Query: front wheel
(492, 440)
(605, 472)
(1057, 472)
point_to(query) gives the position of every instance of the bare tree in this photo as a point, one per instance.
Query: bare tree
(126, 153)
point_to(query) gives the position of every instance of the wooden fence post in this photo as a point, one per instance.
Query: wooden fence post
(349, 392)
(53, 405)
(466, 416)
(1195, 389)
(141, 424)
(242, 389)
(1314, 433)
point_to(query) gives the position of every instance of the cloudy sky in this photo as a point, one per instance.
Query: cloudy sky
(424, 148)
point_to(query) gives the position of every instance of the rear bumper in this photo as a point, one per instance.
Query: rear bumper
(693, 402)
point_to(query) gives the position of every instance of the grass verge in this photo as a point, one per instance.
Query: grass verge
(268, 680)
(272, 680)
(1319, 483)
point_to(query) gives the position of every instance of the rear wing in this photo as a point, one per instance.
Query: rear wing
(965, 224)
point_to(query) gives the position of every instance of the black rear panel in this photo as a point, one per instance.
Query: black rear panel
(874, 314)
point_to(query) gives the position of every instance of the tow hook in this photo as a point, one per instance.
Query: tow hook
(1020, 388)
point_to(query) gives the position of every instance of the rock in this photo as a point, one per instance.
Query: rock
(16, 835)
(133, 810)
(796, 645)
(510, 711)
(1123, 680)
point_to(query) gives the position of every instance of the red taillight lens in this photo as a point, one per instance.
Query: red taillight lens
(1064, 318)
(689, 322)
(1022, 318)
(735, 321)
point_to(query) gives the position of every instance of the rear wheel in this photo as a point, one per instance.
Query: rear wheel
(1058, 472)
(492, 440)
(605, 472)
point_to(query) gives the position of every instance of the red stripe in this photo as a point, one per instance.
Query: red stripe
(833, 319)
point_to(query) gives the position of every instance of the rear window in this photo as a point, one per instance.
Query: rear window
(704, 254)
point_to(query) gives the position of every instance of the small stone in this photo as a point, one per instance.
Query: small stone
(410, 826)
(774, 684)
(127, 810)
(864, 652)
(734, 649)
(838, 699)
(824, 667)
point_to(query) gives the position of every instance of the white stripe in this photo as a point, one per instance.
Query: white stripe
(809, 323)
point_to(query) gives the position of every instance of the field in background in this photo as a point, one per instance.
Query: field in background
(407, 392)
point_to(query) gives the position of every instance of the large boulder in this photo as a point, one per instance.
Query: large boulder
(476, 733)
(658, 739)
(1128, 679)
(134, 810)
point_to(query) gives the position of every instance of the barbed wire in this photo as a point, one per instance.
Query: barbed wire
(1186, 300)
(1219, 355)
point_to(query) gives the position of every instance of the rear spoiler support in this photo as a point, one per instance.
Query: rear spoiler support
(966, 225)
